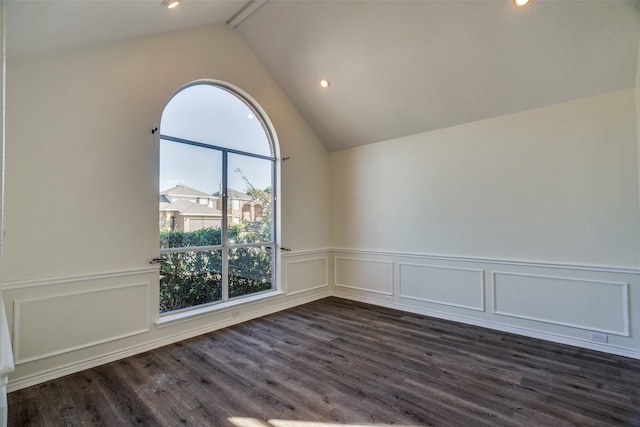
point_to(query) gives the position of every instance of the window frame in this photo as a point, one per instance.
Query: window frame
(225, 247)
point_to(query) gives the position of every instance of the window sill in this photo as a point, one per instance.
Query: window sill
(196, 312)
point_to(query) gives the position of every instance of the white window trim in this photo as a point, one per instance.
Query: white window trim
(174, 317)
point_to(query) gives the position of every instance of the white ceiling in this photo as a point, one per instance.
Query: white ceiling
(43, 26)
(403, 67)
(396, 67)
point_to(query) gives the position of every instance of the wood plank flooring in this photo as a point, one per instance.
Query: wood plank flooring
(339, 362)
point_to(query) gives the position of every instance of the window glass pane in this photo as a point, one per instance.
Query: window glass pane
(190, 278)
(249, 199)
(190, 206)
(184, 239)
(249, 270)
(211, 115)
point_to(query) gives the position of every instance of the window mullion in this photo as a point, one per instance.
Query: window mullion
(183, 249)
(214, 147)
(251, 245)
(274, 213)
(225, 233)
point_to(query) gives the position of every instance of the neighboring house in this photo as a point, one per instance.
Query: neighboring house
(183, 208)
(184, 192)
(252, 211)
(238, 206)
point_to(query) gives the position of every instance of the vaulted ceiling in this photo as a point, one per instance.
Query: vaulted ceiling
(396, 67)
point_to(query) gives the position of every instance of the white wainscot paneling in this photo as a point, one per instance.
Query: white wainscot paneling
(52, 325)
(452, 286)
(364, 275)
(306, 274)
(581, 303)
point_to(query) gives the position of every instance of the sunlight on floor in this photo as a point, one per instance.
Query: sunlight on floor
(252, 422)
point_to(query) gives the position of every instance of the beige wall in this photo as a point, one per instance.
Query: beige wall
(637, 115)
(6, 355)
(528, 223)
(82, 153)
(556, 184)
(82, 197)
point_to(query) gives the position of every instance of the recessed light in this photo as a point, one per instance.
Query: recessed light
(521, 3)
(324, 83)
(170, 4)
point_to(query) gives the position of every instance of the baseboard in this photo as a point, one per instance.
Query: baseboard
(560, 339)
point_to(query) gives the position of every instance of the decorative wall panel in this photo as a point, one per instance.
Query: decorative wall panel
(587, 304)
(458, 287)
(364, 275)
(58, 324)
(306, 274)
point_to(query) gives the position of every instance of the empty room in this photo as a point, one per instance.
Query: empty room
(312, 213)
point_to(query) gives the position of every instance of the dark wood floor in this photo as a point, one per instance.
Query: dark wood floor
(341, 362)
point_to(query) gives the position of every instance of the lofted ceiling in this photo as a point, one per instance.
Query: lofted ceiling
(396, 67)
(37, 27)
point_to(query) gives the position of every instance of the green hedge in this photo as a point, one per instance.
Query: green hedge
(195, 277)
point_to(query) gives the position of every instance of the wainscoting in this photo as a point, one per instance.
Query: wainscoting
(65, 325)
(594, 305)
(54, 317)
(93, 321)
(453, 286)
(305, 272)
(372, 276)
(585, 306)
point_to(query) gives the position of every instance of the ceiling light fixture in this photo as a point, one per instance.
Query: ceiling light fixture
(521, 3)
(170, 4)
(324, 83)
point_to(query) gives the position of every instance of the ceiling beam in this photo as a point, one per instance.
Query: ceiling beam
(245, 12)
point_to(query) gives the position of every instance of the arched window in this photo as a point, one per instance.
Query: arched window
(218, 160)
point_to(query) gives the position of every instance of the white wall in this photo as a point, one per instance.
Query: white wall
(82, 172)
(553, 184)
(82, 196)
(528, 221)
(6, 355)
(637, 113)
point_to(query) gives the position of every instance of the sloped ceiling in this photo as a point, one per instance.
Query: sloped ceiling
(396, 67)
(37, 27)
(403, 67)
